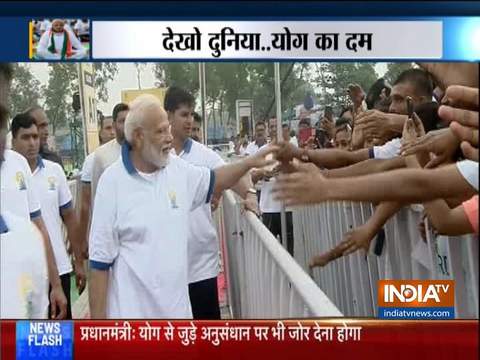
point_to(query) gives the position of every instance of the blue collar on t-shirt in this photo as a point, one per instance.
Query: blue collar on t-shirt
(3, 226)
(187, 145)
(40, 162)
(127, 161)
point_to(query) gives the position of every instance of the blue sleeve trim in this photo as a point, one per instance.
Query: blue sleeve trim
(211, 186)
(86, 182)
(98, 265)
(371, 153)
(66, 206)
(3, 226)
(35, 214)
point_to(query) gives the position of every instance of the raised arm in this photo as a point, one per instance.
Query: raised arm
(404, 185)
(370, 166)
(324, 158)
(58, 300)
(227, 176)
(72, 225)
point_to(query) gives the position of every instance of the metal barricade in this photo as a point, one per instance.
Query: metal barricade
(264, 281)
(351, 282)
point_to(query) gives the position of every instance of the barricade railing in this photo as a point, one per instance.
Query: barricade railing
(351, 282)
(264, 281)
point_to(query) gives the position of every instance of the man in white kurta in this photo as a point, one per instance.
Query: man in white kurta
(60, 43)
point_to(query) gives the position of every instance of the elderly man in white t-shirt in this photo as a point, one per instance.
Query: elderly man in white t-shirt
(139, 234)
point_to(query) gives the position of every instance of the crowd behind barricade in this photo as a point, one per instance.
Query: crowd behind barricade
(147, 193)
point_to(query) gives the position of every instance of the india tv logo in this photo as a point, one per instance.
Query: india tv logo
(416, 299)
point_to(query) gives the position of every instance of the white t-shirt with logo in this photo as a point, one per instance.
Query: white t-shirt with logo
(17, 194)
(23, 269)
(52, 189)
(139, 233)
(203, 246)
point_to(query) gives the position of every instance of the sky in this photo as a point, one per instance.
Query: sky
(127, 79)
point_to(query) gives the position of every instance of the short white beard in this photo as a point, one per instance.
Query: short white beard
(157, 159)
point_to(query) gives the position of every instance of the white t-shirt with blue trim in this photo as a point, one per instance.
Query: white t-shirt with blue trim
(139, 233)
(203, 245)
(52, 190)
(87, 168)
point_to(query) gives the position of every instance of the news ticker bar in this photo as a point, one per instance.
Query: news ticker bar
(123, 339)
(267, 39)
(447, 38)
(369, 39)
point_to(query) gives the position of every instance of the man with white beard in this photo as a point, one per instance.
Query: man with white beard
(60, 43)
(138, 237)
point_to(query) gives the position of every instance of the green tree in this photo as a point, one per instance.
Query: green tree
(228, 82)
(333, 79)
(184, 75)
(25, 91)
(62, 83)
(104, 72)
(395, 69)
(139, 68)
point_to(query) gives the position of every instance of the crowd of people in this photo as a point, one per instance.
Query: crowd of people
(148, 192)
(413, 142)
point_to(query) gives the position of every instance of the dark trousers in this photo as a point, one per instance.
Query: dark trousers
(65, 280)
(204, 299)
(273, 222)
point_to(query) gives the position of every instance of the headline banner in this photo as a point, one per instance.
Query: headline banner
(267, 40)
(287, 339)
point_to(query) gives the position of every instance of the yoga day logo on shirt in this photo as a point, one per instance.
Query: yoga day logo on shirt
(173, 199)
(52, 186)
(20, 180)
(25, 288)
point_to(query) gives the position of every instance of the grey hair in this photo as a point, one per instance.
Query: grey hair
(138, 109)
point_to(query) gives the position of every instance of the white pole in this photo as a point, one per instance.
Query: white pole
(82, 109)
(203, 98)
(278, 102)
